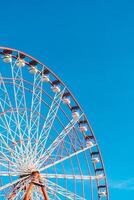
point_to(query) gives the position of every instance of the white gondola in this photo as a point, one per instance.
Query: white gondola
(83, 128)
(56, 88)
(33, 70)
(7, 58)
(89, 143)
(95, 160)
(66, 100)
(45, 78)
(102, 193)
(20, 63)
(100, 176)
(75, 115)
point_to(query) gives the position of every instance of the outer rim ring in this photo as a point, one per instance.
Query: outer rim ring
(77, 104)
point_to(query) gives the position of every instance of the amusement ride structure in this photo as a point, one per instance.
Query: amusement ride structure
(48, 150)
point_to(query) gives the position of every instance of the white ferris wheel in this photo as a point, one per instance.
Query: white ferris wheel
(48, 150)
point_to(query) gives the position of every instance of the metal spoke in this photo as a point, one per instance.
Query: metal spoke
(20, 99)
(15, 154)
(35, 106)
(62, 191)
(6, 173)
(18, 189)
(6, 102)
(70, 176)
(65, 158)
(12, 183)
(58, 140)
(49, 120)
(53, 194)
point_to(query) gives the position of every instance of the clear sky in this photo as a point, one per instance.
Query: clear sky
(90, 45)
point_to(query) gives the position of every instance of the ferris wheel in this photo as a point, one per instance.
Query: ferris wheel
(48, 150)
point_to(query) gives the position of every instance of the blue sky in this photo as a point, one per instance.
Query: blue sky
(90, 45)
